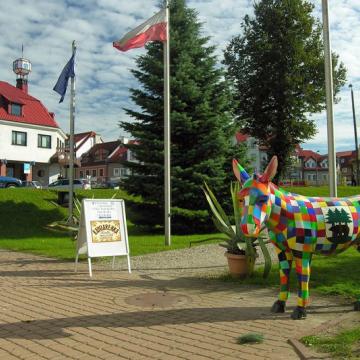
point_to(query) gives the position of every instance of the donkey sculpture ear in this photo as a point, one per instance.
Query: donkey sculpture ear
(270, 170)
(240, 172)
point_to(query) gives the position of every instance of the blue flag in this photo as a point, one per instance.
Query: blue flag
(68, 72)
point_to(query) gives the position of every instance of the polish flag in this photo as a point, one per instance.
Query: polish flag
(150, 30)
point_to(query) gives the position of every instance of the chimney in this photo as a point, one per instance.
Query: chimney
(22, 84)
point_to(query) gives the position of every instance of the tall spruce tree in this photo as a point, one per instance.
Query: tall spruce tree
(276, 67)
(201, 118)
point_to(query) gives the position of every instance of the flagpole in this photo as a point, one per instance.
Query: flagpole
(167, 180)
(329, 99)
(71, 144)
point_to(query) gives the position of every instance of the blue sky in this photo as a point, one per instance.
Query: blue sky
(47, 28)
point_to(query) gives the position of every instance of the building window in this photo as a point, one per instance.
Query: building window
(87, 172)
(123, 172)
(41, 173)
(94, 173)
(15, 109)
(44, 141)
(81, 174)
(59, 144)
(19, 138)
(101, 172)
(116, 171)
(131, 156)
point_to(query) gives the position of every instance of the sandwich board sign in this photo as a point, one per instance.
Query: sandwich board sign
(102, 230)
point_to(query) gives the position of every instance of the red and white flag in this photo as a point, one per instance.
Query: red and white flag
(150, 30)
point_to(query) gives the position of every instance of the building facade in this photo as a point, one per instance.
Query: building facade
(105, 162)
(29, 135)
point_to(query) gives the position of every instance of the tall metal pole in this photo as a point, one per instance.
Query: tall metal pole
(355, 134)
(167, 181)
(71, 144)
(329, 99)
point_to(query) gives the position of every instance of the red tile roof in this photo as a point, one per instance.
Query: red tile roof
(309, 154)
(118, 154)
(80, 136)
(33, 111)
(348, 153)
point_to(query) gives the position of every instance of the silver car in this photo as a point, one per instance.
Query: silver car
(32, 184)
(63, 184)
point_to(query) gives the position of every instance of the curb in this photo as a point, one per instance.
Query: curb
(306, 353)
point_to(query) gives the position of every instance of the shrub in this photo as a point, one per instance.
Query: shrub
(183, 221)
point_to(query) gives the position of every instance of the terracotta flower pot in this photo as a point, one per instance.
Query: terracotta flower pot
(238, 266)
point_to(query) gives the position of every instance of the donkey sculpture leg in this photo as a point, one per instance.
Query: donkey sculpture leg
(303, 274)
(286, 257)
(285, 263)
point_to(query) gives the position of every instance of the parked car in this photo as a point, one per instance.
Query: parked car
(32, 184)
(63, 184)
(9, 182)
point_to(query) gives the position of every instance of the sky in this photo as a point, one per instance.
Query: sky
(47, 28)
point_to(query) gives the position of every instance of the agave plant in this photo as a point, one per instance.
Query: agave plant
(68, 224)
(237, 242)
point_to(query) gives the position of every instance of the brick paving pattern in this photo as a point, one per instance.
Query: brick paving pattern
(50, 312)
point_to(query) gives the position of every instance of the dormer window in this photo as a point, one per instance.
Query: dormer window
(15, 109)
(101, 154)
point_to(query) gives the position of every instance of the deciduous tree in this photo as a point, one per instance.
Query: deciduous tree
(276, 67)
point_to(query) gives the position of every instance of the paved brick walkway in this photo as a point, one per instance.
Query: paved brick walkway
(49, 312)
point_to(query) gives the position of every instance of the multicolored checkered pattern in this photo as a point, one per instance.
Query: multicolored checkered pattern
(298, 227)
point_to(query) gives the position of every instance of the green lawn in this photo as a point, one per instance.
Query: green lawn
(334, 275)
(26, 212)
(323, 191)
(340, 346)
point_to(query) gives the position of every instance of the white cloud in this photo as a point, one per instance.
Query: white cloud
(47, 28)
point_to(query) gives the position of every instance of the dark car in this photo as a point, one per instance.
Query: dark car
(9, 182)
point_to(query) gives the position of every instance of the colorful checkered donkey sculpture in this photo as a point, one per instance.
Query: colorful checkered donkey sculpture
(298, 226)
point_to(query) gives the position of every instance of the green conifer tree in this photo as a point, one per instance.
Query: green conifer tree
(201, 118)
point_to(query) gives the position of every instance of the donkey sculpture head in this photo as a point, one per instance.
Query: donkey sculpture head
(255, 196)
(298, 227)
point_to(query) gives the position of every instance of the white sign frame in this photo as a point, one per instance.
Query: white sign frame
(102, 231)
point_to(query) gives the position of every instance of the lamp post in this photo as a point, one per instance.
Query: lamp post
(329, 100)
(355, 134)
(317, 169)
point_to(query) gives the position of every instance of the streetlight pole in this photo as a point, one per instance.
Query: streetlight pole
(355, 134)
(329, 99)
(317, 168)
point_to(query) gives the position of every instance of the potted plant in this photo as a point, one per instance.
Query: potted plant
(241, 251)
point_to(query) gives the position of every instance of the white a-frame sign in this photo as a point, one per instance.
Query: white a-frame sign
(102, 230)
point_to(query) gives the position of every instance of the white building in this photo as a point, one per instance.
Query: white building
(29, 134)
(256, 153)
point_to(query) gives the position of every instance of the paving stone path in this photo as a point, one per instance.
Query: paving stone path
(49, 312)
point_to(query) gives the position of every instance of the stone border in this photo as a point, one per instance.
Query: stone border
(306, 353)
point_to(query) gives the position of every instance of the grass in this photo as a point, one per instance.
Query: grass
(26, 212)
(329, 275)
(250, 338)
(339, 346)
(323, 191)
